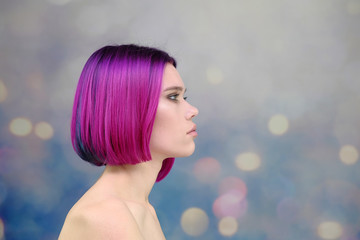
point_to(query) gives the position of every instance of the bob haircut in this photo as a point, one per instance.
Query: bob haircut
(115, 105)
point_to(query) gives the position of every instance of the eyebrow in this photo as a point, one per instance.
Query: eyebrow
(175, 88)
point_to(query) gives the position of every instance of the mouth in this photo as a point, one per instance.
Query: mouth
(192, 131)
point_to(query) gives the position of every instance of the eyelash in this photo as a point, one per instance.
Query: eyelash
(173, 97)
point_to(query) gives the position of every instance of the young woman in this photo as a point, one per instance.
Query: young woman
(130, 114)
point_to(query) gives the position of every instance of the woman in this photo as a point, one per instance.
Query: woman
(130, 115)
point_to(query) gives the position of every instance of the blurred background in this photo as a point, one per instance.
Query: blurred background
(277, 85)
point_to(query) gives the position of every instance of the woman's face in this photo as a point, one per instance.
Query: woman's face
(173, 132)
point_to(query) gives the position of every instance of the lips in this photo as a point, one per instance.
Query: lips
(193, 130)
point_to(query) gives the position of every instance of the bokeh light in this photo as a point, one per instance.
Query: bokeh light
(349, 154)
(329, 230)
(228, 226)
(194, 221)
(233, 184)
(230, 204)
(44, 130)
(231, 201)
(278, 124)
(20, 126)
(214, 75)
(3, 91)
(306, 68)
(207, 170)
(248, 161)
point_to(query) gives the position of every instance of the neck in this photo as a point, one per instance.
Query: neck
(131, 182)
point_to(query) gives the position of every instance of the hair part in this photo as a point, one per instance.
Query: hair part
(115, 105)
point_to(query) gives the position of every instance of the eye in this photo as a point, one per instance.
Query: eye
(173, 97)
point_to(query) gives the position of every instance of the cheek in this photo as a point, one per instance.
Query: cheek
(167, 114)
(160, 123)
(161, 140)
(168, 138)
(165, 123)
(167, 130)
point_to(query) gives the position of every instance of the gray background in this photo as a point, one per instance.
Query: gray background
(242, 62)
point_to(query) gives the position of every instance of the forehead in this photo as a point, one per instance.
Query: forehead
(171, 77)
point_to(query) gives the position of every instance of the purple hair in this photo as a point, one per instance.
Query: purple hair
(115, 105)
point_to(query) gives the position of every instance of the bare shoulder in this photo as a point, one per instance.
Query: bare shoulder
(108, 219)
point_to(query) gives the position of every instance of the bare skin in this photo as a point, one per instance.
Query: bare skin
(114, 209)
(117, 205)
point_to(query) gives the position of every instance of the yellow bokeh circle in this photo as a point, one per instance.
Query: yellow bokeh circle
(248, 161)
(278, 124)
(228, 226)
(214, 75)
(44, 130)
(349, 154)
(20, 126)
(329, 230)
(194, 221)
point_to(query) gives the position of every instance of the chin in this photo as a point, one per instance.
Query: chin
(185, 151)
(188, 151)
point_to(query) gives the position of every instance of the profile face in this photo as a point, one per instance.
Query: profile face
(173, 131)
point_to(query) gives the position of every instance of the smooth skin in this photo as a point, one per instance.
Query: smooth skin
(117, 205)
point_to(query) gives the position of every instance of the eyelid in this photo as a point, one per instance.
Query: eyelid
(173, 95)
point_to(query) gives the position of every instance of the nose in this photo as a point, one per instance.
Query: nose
(192, 112)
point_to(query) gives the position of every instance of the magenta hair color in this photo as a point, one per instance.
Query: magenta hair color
(115, 105)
